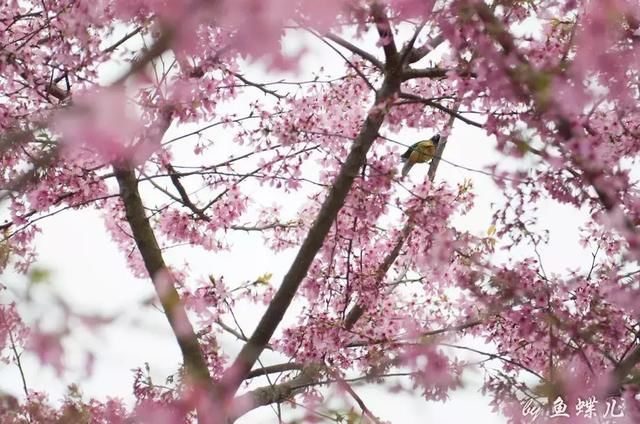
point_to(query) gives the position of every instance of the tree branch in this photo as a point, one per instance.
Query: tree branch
(353, 66)
(356, 50)
(31, 176)
(347, 387)
(417, 53)
(386, 34)
(408, 48)
(438, 106)
(163, 281)
(433, 73)
(277, 393)
(315, 237)
(273, 369)
(175, 180)
(621, 371)
(358, 310)
(497, 31)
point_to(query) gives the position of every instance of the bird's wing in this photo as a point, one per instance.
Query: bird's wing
(406, 154)
(423, 152)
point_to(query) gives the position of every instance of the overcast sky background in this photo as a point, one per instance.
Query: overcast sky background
(90, 273)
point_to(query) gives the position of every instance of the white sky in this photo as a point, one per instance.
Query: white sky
(90, 273)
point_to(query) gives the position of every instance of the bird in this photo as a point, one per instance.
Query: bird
(421, 152)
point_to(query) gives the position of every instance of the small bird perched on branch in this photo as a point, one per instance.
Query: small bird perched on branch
(421, 152)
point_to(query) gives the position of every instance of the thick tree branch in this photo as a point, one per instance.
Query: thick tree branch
(277, 393)
(356, 50)
(273, 369)
(351, 64)
(315, 237)
(433, 73)
(283, 392)
(163, 280)
(419, 53)
(386, 34)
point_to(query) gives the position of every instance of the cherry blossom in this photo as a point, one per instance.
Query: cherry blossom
(173, 121)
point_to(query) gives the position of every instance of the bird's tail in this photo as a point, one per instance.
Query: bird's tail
(405, 169)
